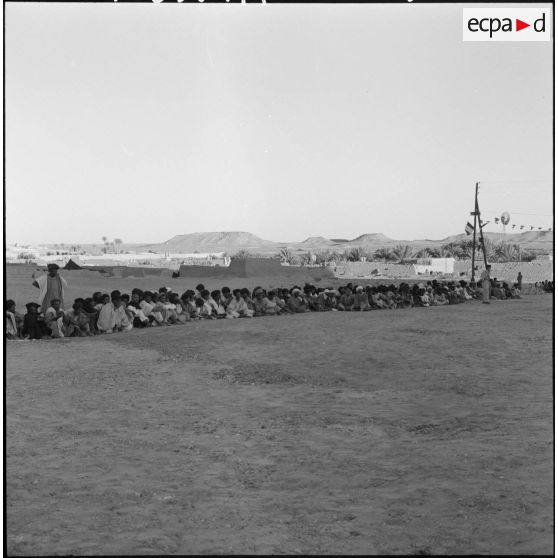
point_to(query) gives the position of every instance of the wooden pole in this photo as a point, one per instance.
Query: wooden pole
(477, 211)
(474, 213)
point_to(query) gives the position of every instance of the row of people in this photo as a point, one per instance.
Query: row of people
(108, 313)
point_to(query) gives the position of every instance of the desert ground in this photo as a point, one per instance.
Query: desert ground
(422, 431)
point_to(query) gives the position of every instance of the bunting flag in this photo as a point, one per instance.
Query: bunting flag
(469, 228)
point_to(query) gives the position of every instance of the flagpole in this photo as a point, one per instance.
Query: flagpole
(474, 213)
(477, 211)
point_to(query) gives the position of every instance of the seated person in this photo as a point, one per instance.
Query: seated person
(199, 289)
(205, 310)
(168, 309)
(189, 304)
(54, 319)
(215, 302)
(14, 321)
(89, 309)
(122, 321)
(498, 291)
(237, 307)
(346, 300)
(425, 298)
(297, 303)
(76, 320)
(100, 300)
(515, 292)
(388, 296)
(34, 326)
(330, 300)
(274, 298)
(320, 301)
(245, 294)
(226, 297)
(361, 303)
(148, 308)
(404, 299)
(439, 298)
(159, 303)
(375, 300)
(134, 312)
(182, 315)
(263, 306)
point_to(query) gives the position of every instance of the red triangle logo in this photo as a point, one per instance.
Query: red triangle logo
(519, 25)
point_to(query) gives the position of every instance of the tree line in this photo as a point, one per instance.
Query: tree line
(404, 253)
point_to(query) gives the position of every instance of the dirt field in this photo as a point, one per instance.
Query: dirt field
(411, 431)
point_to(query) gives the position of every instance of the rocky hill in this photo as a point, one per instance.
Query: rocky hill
(234, 241)
(228, 241)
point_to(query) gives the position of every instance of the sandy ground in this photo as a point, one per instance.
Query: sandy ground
(412, 431)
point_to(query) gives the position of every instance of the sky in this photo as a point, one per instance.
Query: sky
(145, 121)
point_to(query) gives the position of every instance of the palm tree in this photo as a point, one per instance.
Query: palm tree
(423, 253)
(334, 257)
(286, 256)
(117, 243)
(450, 250)
(356, 254)
(490, 249)
(402, 253)
(434, 252)
(505, 252)
(307, 258)
(241, 255)
(384, 254)
(466, 249)
(322, 257)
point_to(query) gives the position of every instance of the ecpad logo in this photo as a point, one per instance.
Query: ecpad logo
(506, 24)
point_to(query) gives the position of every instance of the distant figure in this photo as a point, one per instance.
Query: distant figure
(51, 287)
(485, 279)
(519, 280)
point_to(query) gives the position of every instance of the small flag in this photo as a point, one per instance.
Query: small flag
(469, 228)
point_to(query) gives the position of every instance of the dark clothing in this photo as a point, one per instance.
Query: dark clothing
(34, 327)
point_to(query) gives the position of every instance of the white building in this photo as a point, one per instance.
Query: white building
(435, 265)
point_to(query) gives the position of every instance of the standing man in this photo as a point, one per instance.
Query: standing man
(485, 279)
(519, 280)
(51, 287)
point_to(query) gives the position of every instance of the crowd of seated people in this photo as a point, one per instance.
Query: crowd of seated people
(109, 313)
(542, 287)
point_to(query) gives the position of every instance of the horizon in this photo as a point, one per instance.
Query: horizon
(68, 243)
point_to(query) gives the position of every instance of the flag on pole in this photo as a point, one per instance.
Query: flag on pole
(469, 228)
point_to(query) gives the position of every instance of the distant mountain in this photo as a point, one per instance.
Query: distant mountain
(375, 239)
(317, 241)
(228, 241)
(234, 241)
(528, 240)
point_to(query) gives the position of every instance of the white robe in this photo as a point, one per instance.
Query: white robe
(42, 282)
